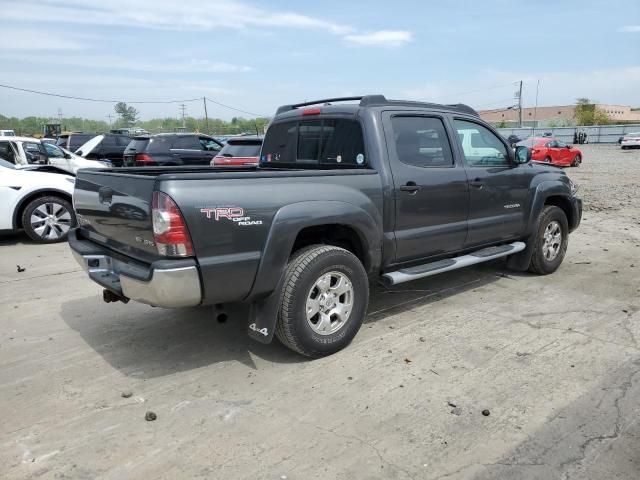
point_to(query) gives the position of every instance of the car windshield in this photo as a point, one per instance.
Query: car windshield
(5, 164)
(633, 135)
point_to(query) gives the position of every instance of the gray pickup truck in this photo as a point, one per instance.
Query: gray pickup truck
(347, 191)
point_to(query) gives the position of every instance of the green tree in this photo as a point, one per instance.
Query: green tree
(128, 116)
(586, 113)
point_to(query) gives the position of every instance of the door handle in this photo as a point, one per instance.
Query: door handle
(477, 183)
(410, 187)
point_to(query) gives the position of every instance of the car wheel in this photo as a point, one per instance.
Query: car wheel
(547, 159)
(324, 300)
(623, 147)
(551, 241)
(48, 219)
(576, 161)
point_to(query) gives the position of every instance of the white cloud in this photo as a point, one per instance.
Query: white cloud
(630, 29)
(113, 62)
(182, 15)
(191, 15)
(384, 38)
(32, 39)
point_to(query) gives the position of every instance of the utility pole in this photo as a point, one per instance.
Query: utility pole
(59, 114)
(109, 117)
(519, 94)
(183, 107)
(206, 115)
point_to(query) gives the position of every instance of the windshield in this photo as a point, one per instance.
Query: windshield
(5, 164)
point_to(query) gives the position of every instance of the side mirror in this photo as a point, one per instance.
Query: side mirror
(67, 156)
(523, 154)
(569, 147)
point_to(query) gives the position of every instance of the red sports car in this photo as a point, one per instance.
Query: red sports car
(243, 150)
(551, 150)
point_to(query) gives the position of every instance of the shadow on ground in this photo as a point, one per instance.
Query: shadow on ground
(14, 238)
(151, 342)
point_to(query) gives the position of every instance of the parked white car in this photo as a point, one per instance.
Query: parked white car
(7, 133)
(24, 151)
(37, 201)
(630, 140)
(63, 158)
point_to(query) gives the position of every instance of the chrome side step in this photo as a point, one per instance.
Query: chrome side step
(433, 268)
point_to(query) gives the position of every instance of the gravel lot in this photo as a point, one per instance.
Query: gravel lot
(555, 360)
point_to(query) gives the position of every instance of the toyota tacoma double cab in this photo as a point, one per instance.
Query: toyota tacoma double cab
(347, 191)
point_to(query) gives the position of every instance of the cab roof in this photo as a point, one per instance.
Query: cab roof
(369, 101)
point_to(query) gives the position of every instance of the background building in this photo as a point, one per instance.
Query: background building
(562, 115)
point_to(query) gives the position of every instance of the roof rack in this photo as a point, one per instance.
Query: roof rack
(371, 100)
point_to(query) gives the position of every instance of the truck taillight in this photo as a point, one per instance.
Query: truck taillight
(169, 228)
(143, 158)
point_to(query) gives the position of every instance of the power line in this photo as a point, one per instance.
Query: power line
(102, 100)
(86, 99)
(236, 109)
(449, 95)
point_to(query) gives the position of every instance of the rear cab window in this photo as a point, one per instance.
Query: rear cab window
(321, 143)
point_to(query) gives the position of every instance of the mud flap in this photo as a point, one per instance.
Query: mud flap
(263, 315)
(520, 261)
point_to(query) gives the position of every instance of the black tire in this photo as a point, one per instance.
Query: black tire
(623, 147)
(57, 208)
(577, 160)
(541, 263)
(547, 160)
(305, 269)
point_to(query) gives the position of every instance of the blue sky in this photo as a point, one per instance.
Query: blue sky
(258, 55)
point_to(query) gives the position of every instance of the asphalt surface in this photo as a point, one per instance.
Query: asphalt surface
(554, 360)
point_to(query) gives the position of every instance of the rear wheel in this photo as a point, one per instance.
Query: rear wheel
(324, 300)
(551, 241)
(48, 219)
(577, 160)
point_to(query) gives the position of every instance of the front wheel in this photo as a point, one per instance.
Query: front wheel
(551, 241)
(48, 219)
(577, 160)
(547, 160)
(324, 300)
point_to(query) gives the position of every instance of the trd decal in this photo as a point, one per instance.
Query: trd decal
(235, 214)
(223, 212)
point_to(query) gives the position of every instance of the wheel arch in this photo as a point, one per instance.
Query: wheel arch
(42, 192)
(331, 222)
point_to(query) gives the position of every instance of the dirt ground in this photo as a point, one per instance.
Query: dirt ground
(555, 361)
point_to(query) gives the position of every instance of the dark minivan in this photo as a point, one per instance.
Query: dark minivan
(107, 147)
(72, 141)
(167, 149)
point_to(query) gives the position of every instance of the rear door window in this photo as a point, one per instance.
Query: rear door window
(186, 143)
(421, 141)
(318, 142)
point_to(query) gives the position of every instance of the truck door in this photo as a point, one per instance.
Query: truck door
(430, 188)
(498, 189)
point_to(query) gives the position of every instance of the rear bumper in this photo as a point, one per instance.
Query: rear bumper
(165, 283)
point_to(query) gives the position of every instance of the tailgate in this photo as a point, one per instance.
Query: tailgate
(114, 209)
